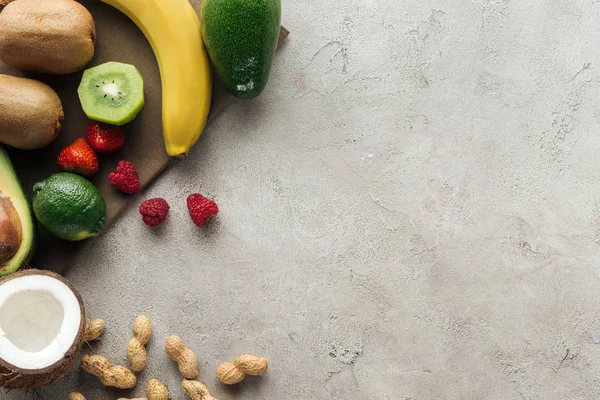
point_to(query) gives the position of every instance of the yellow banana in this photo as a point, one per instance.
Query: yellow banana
(173, 29)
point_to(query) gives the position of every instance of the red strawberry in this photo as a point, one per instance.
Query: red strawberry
(125, 178)
(79, 158)
(201, 209)
(105, 138)
(154, 211)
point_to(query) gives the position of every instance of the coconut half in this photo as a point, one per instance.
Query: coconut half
(42, 322)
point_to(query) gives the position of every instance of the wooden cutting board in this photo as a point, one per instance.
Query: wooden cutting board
(118, 40)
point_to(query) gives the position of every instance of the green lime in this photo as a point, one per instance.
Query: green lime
(69, 206)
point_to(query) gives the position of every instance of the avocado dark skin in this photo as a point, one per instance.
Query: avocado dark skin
(241, 39)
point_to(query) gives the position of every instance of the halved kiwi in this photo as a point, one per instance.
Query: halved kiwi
(112, 92)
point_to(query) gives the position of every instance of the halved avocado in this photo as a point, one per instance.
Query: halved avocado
(11, 189)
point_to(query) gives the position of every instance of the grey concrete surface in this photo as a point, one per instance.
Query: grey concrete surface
(411, 211)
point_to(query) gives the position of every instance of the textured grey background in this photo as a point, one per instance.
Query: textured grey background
(410, 211)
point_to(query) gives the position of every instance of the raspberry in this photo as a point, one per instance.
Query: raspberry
(125, 178)
(154, 211)
(201, 209)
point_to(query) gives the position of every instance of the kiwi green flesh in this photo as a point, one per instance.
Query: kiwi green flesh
(112, 93)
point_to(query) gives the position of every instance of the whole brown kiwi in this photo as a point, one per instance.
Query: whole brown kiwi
(54, 37)
(31, 113)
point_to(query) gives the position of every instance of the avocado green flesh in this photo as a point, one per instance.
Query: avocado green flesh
(241, 38)
(11, 187)
(69, 207)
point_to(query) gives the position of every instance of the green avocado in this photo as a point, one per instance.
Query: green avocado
(241, 39)
(10, 188)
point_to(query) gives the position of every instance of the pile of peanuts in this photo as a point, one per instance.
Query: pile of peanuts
(124, 378)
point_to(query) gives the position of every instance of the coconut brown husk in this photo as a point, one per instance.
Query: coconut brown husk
(16, 378)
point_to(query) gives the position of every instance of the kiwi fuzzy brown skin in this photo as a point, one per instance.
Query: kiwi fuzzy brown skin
(31, 113)
(53, 37)
(11, 231)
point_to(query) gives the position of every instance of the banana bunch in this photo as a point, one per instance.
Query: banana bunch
(173, 29)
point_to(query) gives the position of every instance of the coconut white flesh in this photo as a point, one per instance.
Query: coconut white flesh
(39, 321)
